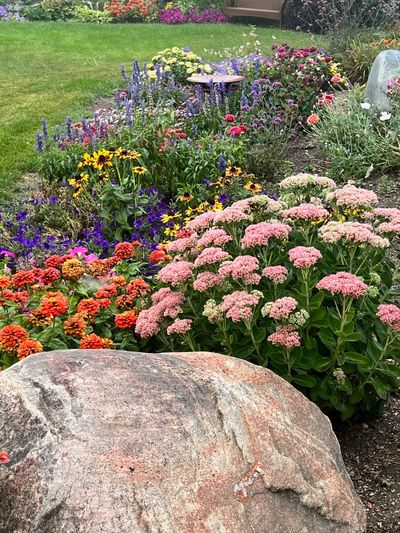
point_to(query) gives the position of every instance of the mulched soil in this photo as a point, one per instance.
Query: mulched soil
(371, 451)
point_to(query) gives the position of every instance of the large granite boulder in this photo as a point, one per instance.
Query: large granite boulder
(118, 442)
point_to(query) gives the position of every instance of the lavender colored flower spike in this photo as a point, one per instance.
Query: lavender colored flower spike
(45, 132)
(222, 163)
(123, 73)
(68, 124)
(39, 141)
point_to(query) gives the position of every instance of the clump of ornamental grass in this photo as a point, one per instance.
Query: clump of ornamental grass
(300, 284)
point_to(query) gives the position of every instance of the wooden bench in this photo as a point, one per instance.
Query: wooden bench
(268, 9)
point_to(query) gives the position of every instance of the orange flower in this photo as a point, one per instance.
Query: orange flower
(312, 119)
(53, 304)
(20, 297)
(106, 291)
(159, 256)
(53, 261)
(50, 275)
(89, 306)
(75, 326)
(137, 287)
(124, 250)
(108, 344)
(37, 318)
(91, 342)
(5, 281)
(24, 277)
(126, 320)
(29, 347)
(72, 269)
(98, 267)
(104, 302)
(118, 281)
(12, 336)
(126, 300)
(112, 261)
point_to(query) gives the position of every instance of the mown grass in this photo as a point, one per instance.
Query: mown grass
(56, 69)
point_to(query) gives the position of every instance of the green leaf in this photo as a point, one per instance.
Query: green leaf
(327, 339)
(356, 358)
(57, 344)
(380, 388)
(322, 364)
(316, 300)
(304, 380)
(352, 337)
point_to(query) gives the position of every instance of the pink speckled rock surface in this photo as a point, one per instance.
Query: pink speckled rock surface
(119, 442)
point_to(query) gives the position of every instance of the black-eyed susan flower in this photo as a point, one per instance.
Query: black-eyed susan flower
(233, 171)
(87, 161)
(255, 188)
(102, 158)
(78, 182)
(185, 197)
(139, 170)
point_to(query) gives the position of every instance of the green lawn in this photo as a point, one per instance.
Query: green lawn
(56, 69)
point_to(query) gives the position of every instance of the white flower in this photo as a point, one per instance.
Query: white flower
(385, 116)
(365, 105)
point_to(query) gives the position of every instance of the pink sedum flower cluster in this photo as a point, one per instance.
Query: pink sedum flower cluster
(202, 221)
(207, 280)
(239, 305)
(282, 308)
(230, 214)
(166, 303)
(277, 274)
(242, 269)
(180, 326)
(180, 245)
(343, 283)
(306, 212)
(355, 232)
(260, 234)
(303, 180)
(352, 197)
(209, 256)
(285, 336)
(304, 256)
(176, 272)
(389, 314)
(215, 236)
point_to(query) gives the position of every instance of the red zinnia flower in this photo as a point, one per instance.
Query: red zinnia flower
(159, 256)
(230, 118)
(237, 130)
(91, 342)
(124, 250)
(53, 261)
(50, 275)
(53, 304)
(89, 306)
(12, 336)
(24, 277)
(137, 287)
(5, 281)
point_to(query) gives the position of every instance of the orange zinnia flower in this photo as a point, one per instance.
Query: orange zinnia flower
(98, 267)
(137, 287)
(91, 342)
(29, 347)
(159, 256)
(72, 269)
(50, 275)
(124, 250)
(75, 326)
(312, 119)
(12, 336)
(53, 304)
(126, 320)
(5, 281)
(89, 306)
(24, 277)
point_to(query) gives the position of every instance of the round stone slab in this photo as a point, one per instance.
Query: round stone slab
(207, 79)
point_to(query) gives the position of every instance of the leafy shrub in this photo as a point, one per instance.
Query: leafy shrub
(86, 14)
(330, 16)
(356, 138)
(294, 284)
(132, 10)
(181, 63)
(10, 13)
(51, 10)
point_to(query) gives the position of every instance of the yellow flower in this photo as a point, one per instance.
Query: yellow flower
(171, 232)
(139, 170)
(217, 206)
(167, 218)
(127, 154)
(233, 171)
(255, 188)
(87, 161)
(185, 197)
(102, 158)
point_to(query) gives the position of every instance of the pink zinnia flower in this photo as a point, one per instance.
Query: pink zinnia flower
(242, 268)
(390, 314)
(306, 212)
(277, 274)
(343, 283)
(285, 336)
(210, 255)
(180, 326)
(260, 234)
(176, 272)
(207, 280)
(304, 257)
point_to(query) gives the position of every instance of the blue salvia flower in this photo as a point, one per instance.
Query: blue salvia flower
(222, 163)
(128, 112)
(123, 73)
(68, 123)
(39, 141)
(45, 133)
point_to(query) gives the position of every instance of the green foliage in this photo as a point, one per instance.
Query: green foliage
(86, 14)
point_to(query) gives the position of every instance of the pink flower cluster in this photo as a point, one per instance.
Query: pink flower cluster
(260, 234)
(390, 314)
(176, 272)
(166, 303)
(180, 245)
(202, 221)
(285, 336)
(343, 283)
(180, 326)
(356, 232)
(207, 280)
(210, 255)
(230, 214)
(303, 181)
(215, 236)
(389, 213)
(304, 256)
(277, 274)
(283, 307)
(306, 212)
(353, 197)
(242, 268)
(389, 227)
(238, 305)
